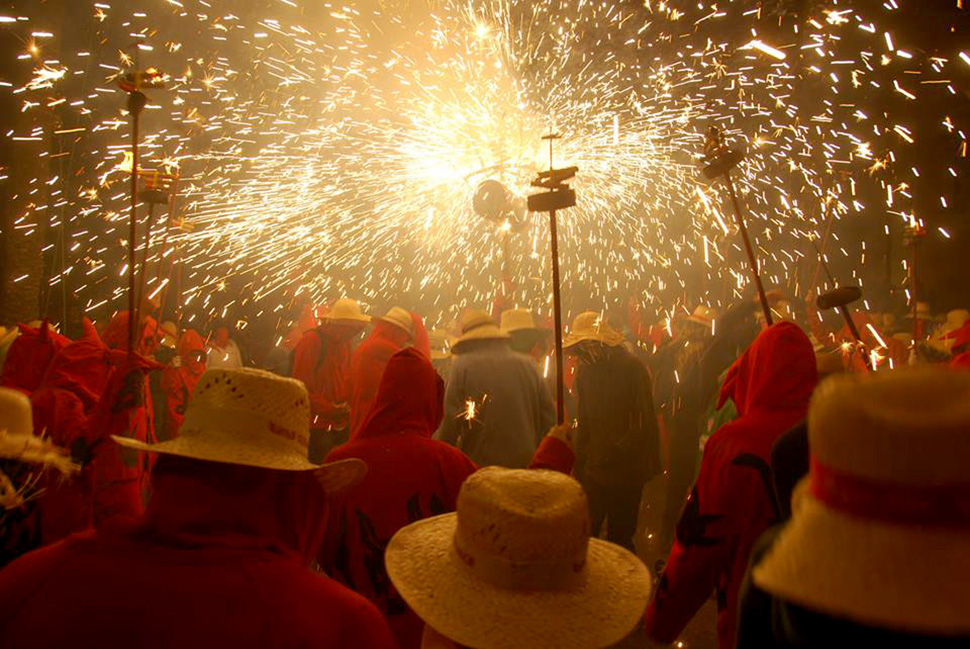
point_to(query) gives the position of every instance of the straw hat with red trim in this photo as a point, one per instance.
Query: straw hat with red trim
(400, 318)
(252, 418)
(346, 310)
(880, 532)
(515, 567)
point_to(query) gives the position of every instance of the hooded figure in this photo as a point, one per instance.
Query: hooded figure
(219, 558)
(179, 381)
(733, 501)
(389, 336)
(224, 353)
(410, 477)
(29, 357)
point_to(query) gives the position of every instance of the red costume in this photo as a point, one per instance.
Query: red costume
(218, 560)
(178, 383)
(322, 362)
(410, 477)
(29, 357)
(733, 501)
(371, 357)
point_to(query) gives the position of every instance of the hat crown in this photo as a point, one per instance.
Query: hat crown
(400, 318)
(345, 309)
(16, 417)
(906, 427)
(474, 320)
(261, 406)
(523, 529)
(517, 319)
(588, 322)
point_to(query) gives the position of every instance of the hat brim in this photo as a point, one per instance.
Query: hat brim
(488, 332)
(446, 594)
(362, 319)
(907, 578)
(219, 449)
(701, 321)
(408, 329)
(609, 340)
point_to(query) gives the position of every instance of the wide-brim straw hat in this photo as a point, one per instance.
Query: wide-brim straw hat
(513, 320)
(16, 415)
(346, 310)
(400, 318)
(248, 417)
(589, 326)
(441, 343)
(880, 532)
(477, 326)
(514, 567)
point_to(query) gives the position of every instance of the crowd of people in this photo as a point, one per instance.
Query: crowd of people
(375, 482)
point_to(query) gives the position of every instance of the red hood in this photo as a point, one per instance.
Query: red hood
(777, 372)
(83, 368)
(409, 399)
(190, 342)
(115, 335)
(30, 355)
(196, 503)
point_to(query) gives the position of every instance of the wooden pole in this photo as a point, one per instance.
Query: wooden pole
(136, 101)
(749, 249)
(557, 316)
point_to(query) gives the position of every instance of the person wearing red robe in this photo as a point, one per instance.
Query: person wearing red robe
(733, 501)
(322, 361)
(219, 559)
(391, 334)
(410, 477)
(29, 357)
(179, 380)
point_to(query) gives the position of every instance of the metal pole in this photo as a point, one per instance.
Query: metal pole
(133, 218)
(749, 249)
(557, 315)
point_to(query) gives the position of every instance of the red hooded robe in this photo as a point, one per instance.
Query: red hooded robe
(733, 501)
(410, 477)
(322, 362)
(29, 357)
(219, 559)
(178, 383)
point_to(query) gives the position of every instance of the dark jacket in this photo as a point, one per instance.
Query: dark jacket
(617, 441)
(513, 408)
(768, 622)
(733, 501)
(219, 559)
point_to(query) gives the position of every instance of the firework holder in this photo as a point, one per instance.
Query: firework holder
(720, 160)
(558, 196)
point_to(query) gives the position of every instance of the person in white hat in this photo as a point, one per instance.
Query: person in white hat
(877, 553)
(515, 567)
(220, 557)
(497, 407)
(617, 440)
(391, 333)
(524, 336)
(322, 361)
(223, 352)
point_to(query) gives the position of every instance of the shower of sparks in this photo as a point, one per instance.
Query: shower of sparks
(328, 150)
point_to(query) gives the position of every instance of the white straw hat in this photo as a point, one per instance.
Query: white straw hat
(400, 318)
(441, 343)
(248, 417)
(590, 326)
(515, 567)
(880, 532)
(346, 310)
(477, 325)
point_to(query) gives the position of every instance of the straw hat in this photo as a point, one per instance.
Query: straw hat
(477, 325)
(248, 417)
(15, 413)
(346, 310)
(923, 313)
(400, 318)
(169, 334)
(590, 326)
(880, 532)
(515, 567)
(702, 315)
(518, 320)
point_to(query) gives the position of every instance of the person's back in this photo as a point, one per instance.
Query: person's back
(513, 407)
(220, 556)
